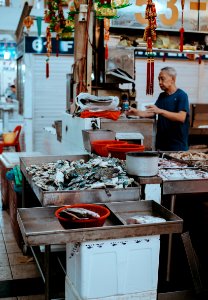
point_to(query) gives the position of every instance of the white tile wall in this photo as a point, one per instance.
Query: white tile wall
(192, 77)
(44, 98)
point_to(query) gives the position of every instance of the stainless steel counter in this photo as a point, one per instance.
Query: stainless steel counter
(39, 226)
(177, 187)
(147, 127)
(47, 198)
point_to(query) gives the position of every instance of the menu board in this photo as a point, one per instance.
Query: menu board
(169, 15)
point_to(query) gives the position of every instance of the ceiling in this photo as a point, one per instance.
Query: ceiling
(10, 18)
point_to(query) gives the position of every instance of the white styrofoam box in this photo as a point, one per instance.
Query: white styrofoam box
(153, 192)
(72, 294)
(130, 136)
(107, 268)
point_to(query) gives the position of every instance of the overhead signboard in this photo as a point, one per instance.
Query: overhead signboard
(38, 45)
(169, 15)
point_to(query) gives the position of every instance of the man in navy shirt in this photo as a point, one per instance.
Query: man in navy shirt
(172, 108)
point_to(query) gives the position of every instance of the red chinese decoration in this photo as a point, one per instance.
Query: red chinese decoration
(106, 35)
(28, 22)
(150, 37)
(49, 49)
(182, 28)
(56, 20)
(63, 27)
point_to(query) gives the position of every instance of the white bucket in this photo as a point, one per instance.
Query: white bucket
(142, 163)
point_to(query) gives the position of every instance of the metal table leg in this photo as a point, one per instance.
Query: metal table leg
(170, 239)
(45, 268)
(47, 272)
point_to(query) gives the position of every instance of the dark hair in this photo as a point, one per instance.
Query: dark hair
(12, 86)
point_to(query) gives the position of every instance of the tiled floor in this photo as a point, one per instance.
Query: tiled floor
(16, 269)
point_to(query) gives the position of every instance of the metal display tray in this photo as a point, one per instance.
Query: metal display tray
(39, 226)
(189, 162)
(47, 198)
(184, 186)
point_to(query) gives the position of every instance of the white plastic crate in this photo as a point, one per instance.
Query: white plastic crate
(72, 294)
(106, 268)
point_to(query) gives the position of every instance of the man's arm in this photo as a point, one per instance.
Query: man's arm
(172, 116)
(140, 113)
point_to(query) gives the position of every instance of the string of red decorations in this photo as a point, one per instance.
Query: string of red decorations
(150, 37)
(106, 35)
(63, 27)
(49, 49)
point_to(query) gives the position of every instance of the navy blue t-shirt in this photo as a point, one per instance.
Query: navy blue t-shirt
(172, 135)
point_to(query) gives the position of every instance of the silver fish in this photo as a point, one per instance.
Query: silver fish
(82, 212)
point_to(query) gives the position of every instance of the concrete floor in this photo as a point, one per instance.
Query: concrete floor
(19, 276)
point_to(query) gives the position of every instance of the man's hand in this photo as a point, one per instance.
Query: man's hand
(153, 109)
(172, 116)
(140, 113)
(132, 111)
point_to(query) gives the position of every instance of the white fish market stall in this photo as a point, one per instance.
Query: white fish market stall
(134, 246)
(123, 199)
(123, 202)
(123, 257)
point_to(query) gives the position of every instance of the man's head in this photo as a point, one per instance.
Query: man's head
(13, 88)
(167, 78)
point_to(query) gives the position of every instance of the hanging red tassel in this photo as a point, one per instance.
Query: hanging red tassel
(182, 29)
(149, 37)
(181, 39)
(57, 45)
(106, 51)
(200, 59)
(47, 68)
(152, 70)
(148, 76)
(164, 57)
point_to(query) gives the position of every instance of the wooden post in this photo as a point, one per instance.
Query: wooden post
(7, 2)
(83, 52)
(89, 53)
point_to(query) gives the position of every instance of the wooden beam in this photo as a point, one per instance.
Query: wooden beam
(7, 2)
(25, 13)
